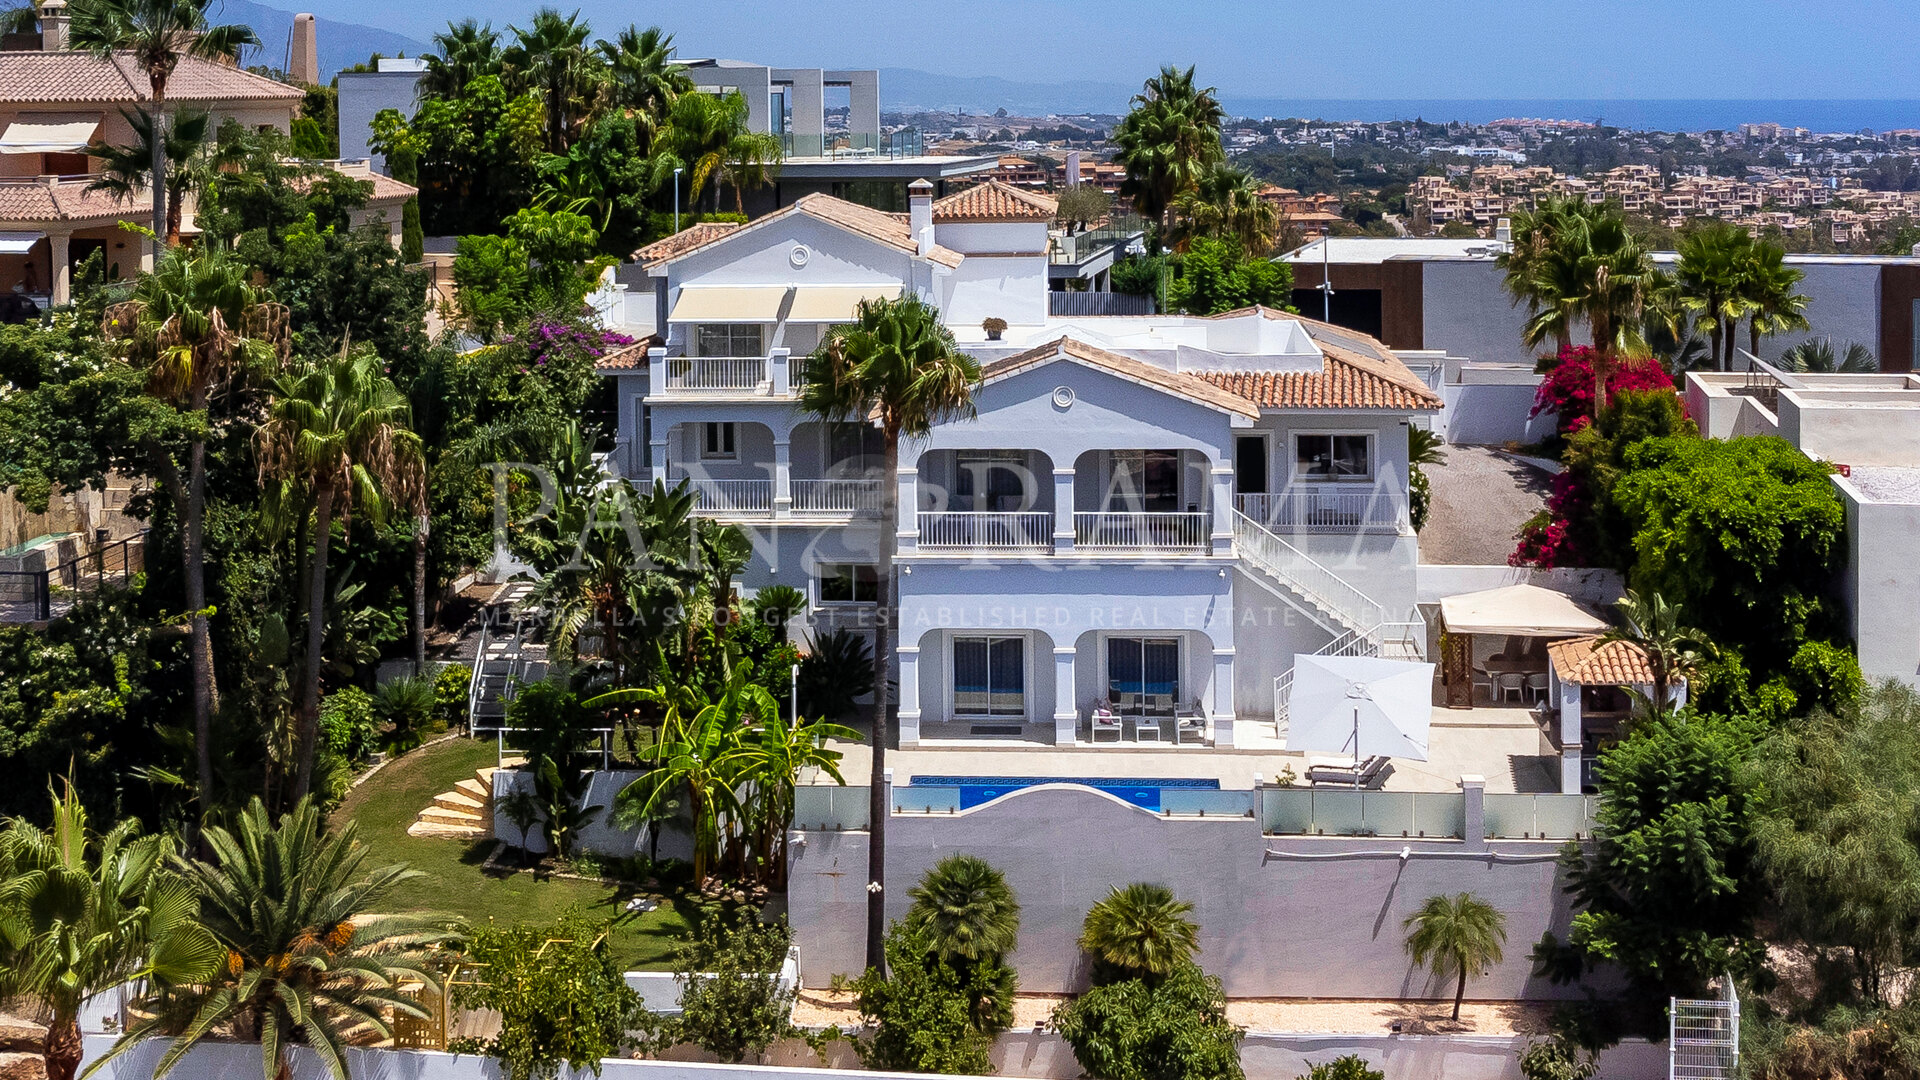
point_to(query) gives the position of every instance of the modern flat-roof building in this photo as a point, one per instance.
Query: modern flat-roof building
(363, 94)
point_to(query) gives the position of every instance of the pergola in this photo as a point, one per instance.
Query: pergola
(1526, 616)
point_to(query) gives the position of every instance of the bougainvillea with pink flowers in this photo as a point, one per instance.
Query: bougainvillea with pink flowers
(1567, 391)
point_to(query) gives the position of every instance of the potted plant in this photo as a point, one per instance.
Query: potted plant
(994, 327)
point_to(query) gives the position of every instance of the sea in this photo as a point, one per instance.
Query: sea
(1831, 115)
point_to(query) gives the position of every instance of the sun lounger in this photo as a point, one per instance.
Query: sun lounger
(1341, 771)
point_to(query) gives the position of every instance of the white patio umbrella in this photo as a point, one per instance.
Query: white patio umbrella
(1361, 705)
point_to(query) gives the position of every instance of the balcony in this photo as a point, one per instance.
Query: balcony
(1142, 531)
(1025, 530)
(728, 498)
(776, 375)
(1327, 508)
(834, 498)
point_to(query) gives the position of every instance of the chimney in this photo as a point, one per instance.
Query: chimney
(1073, 168)
(53, 26)
(920, 214)
(1503, 230)
(303, 58)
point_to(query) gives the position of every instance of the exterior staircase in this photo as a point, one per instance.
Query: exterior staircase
(465, 813)
(503, 660)
(1357, 622)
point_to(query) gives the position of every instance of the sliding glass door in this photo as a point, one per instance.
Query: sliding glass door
(1143, 675)
(989, 676)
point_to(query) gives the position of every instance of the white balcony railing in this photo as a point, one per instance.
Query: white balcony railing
(1020, 531)
(729, 496)
(835, 496)
(1137, 531)
(1326, 508)
(737, 373)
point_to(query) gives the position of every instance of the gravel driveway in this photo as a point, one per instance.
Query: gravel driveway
(1480, 500)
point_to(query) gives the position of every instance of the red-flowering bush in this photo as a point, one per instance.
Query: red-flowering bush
(1551, 538)
(1568, 388)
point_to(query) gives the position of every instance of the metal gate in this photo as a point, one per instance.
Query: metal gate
(1703, 1037)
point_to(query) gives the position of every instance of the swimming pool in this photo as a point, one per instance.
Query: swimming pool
(1140, 791)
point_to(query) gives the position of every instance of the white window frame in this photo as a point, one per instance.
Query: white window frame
(1026, 677)
(726, 447)
(1181, 654)
(820, 584)
(700, 329)
(1294, 475)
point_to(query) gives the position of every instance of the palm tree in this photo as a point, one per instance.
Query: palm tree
(196, 323)
(1538, 267)
(1225, 204)
(1674, 651)
(711, 137)
(1613, 272)
(551, 56)
(770, 759)
(1139, 932)
(1456, 934)
(467, 51)
(307, 959)
(82, 913)
(1768, 287)
(641, 74)
(778, 605)
(1710, 278)
(1816, 355)
(966, 910)
(339, 431)
(156, 35)
(125, 170)
(898, 365)
(1168, 139)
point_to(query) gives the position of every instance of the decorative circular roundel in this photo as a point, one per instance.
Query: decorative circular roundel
(799, 256)
(1063, 396)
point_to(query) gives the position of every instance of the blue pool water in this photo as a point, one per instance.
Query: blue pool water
(1142, 792)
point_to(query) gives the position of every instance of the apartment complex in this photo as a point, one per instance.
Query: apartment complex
(1151, 513)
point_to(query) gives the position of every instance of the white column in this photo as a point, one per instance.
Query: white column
(1572, 737)
(1063, 509)
(656, 371)
(1222, 475)
(1066, 711)
(907, 484)
(778, 371)
(909, 659)
(782, 476)
(1474, 812)
(61, 286)
(657, 457)
(1223, 710)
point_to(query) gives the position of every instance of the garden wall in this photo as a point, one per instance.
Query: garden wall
(602, 837)
(1280, 916)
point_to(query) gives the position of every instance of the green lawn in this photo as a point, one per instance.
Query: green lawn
(384, 806)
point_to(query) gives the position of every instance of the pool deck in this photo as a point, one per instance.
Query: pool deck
(1503, 745)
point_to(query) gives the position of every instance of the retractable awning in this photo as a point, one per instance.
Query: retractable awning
(728, 303)
(834, 303)
(1522, 610)
(18, 243)
(49, 134)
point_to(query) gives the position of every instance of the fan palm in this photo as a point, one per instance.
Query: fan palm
(1456, 935)
(1139, 932)
(641, 74)
(307, 960)
(196, 324)
(1817, 355)
(551, 57)
(1167, 140)
(1768, 285)
(897, 364)
(965, 910)
(82, 912)
(1710, 276)
(337, 430)
(156, 35)
(467, 51)
(1674, 651)
(125, 170)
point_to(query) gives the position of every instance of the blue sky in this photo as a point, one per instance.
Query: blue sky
(1268, 48)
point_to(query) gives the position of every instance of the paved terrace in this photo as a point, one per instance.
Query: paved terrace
(1505, 746)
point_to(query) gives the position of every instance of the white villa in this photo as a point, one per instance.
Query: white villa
(1149, 516)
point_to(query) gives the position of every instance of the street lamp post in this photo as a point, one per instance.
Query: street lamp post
(676, 200)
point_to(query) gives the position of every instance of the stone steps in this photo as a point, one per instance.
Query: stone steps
(465, 813)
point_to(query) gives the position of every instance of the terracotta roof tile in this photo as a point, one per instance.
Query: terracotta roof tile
(992, 200)
(876, 225)
(626, 358)
(1588, 661)
(696, 235)
(66, 200)
(81, 78)
(1183, 384)
(1359, 373)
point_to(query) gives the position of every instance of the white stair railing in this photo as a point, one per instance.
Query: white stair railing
(1298, 571)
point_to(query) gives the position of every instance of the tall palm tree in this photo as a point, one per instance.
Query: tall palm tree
(711, 137)
(551, 56)
(1674, 651)
(339, 431)
(125, 170)
(308, 960)
(1538, 271)
(897, 365)
(1225, 204)
(1171, 135)
(82, 912)
(467, 51)
(1139, 932)
(1817, 355)
(1768, 286)
(1456, 934)
(1613, 272)
(1711, 282)
(197, 324)
(156, 35)
(641, 74)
